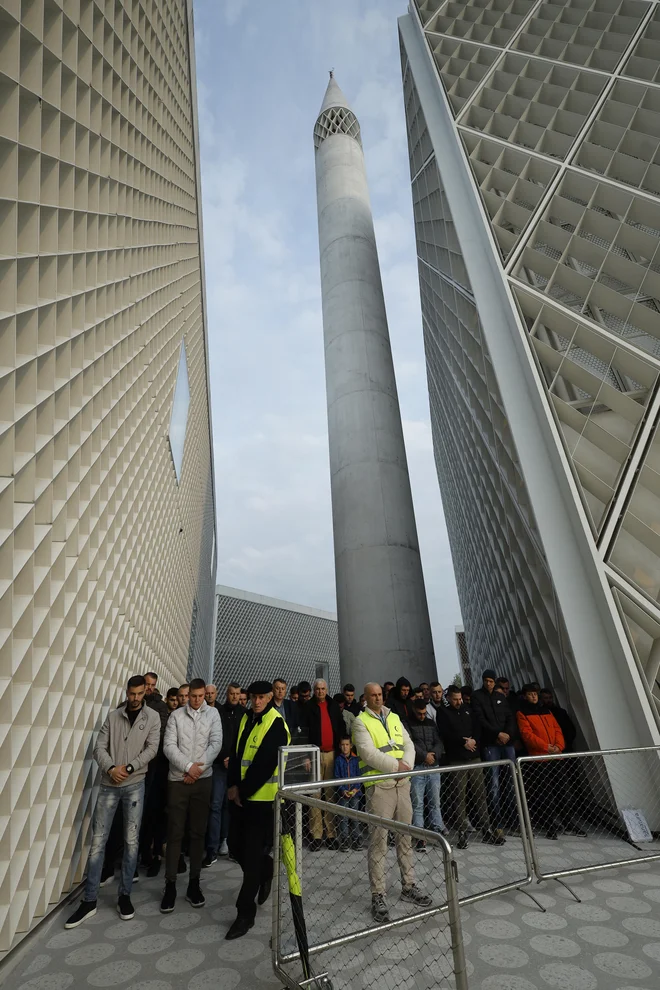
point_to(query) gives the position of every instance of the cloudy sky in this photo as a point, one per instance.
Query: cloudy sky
(262, 71)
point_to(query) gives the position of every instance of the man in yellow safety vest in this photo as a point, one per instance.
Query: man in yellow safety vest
(384, 746)
(252, 779)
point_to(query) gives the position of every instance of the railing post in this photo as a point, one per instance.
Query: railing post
(275, 935)
(455, 926)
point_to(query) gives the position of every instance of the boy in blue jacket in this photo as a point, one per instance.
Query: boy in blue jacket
(348, 795)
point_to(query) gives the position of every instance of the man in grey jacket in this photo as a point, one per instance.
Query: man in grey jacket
(193, 739)
(126, 744)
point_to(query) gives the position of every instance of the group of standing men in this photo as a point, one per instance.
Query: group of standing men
(221, 766)
(189, 737)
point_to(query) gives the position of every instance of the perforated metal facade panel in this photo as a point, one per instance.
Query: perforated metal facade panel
(463, 657)
(554, 111)
(258, 637)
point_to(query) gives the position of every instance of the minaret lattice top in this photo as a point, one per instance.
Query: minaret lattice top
(335, 116)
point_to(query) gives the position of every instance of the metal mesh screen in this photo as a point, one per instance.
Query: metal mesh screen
(256, 639)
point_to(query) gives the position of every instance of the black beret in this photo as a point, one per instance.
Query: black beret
(260, 687)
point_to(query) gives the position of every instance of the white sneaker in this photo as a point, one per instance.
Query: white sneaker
(224, 848)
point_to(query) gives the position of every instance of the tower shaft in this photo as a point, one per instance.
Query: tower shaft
(384, 628)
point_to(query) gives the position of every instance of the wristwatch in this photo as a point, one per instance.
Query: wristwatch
(129, 768)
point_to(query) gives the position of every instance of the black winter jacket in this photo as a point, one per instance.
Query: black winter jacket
(426, 739)
(230, 716)
(494, 715)
(265, 761)
(455, 725)
(567, 726)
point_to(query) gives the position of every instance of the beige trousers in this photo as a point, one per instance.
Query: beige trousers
(327, 794)
(393, 803)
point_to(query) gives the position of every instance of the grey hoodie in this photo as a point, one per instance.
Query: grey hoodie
(119, 743)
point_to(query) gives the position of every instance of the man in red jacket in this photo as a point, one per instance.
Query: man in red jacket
(542, 736)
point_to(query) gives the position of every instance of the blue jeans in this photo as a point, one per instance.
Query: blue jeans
(132, 802)
(496, 752)
(218, 825)
(427, 785)
(346, 824)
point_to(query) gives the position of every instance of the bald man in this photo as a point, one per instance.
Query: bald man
(384, 746)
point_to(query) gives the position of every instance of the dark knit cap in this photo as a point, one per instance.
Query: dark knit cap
(489, 673)
(260, 687)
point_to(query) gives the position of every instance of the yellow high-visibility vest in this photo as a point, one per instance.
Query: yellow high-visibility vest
(258, 731)
(388, 740)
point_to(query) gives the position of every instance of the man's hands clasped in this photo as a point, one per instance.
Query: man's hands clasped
(193, 774)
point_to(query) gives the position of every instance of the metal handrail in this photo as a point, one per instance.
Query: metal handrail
(375, 778)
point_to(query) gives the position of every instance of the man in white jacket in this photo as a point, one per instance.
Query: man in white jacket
(193, 739)
(384, 746)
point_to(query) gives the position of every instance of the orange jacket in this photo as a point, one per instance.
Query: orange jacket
(539, 730)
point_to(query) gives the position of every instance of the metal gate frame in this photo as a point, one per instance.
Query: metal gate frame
(299, 793)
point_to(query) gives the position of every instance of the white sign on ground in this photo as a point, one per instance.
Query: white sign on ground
(637, 825)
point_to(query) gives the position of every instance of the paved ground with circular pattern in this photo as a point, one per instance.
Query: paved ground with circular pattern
(610, 940)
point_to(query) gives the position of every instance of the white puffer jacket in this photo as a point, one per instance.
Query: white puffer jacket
(192, 737)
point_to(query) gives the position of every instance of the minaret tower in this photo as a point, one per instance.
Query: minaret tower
(384, 628)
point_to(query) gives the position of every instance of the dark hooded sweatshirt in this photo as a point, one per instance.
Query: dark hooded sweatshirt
(396, 703)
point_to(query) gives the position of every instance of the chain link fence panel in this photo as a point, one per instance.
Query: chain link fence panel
(483, 812)
(591, 811)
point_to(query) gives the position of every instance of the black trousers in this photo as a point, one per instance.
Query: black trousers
(191, 802)
(541, 787)
(153, 830)
(250, 843)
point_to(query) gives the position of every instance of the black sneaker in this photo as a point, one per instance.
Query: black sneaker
(209, 860)
(154, 867)
(462, 840)
(575, 830)
(420, 845)
(86, 909)
(379, 910)
(356, 844)
(315, 845)
(551, 833)
(107, 876)
(416, 896)
(240, 927)
(333, 843)
(492, 839)
(169, 897)
(194, 894)
(125, 908)
(182, 868)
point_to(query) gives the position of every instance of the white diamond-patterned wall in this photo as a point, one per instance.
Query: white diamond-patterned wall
(104, 558)
(558, 110)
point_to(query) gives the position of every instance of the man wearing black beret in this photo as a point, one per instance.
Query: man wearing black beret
(252, 780)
